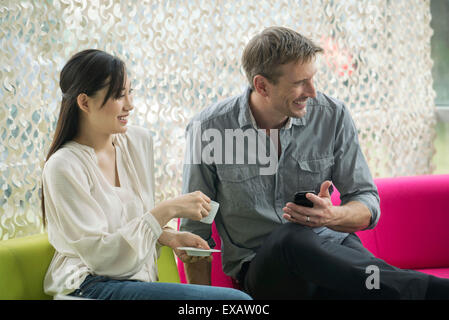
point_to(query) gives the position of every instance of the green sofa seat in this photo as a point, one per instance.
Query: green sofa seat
(24, 262)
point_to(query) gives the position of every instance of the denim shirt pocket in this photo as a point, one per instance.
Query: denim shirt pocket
(312, 173)
(242, 183)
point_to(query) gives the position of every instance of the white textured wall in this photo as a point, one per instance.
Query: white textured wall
(184, 55)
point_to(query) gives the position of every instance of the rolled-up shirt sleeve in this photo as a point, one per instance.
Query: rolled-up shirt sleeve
(351, 174)
(78, 224)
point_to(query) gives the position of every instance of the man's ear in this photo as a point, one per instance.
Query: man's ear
(261, 85)
(82, 101)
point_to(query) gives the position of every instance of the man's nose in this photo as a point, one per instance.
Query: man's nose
(310, 90)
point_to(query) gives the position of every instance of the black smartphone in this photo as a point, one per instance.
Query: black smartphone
(300, 199)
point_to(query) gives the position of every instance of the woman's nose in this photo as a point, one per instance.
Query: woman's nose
(129, 102)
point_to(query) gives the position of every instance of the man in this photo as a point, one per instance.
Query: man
(273, 247)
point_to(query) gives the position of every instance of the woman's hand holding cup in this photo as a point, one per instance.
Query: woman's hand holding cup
(194, 205)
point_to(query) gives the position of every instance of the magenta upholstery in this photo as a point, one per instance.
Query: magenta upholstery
(412, 233)
(218, 278)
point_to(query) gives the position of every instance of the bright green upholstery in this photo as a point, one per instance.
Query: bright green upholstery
(24, 262)
(166, 266)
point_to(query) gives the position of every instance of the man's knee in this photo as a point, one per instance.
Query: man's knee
(293, 238)
(274, 273)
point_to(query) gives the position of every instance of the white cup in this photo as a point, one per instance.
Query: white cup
(212, 213)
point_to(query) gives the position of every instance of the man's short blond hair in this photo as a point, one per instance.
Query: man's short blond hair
(274, 47)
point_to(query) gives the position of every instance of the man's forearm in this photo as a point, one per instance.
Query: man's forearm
(353, 216)
(198, 272)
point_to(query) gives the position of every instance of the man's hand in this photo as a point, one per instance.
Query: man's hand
(350, 217)
(323, 212)
(175, 239)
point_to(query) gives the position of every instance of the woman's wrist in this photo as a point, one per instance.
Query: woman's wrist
(167, 237)
(163, 213)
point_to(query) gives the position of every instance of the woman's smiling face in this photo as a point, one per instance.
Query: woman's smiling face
(112, 117)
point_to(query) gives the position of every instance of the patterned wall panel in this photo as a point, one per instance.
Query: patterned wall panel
(184, 55)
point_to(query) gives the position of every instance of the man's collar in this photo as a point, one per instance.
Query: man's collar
(299, 121)
(244, 109)
(246, 117)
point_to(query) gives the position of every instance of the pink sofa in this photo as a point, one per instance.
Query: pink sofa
(412, 233)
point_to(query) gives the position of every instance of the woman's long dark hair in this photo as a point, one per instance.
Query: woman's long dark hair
(86, 72)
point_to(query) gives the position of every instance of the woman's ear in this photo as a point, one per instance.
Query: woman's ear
(82, 101)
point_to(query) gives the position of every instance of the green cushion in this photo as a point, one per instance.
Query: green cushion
(24, 262)
(166, 266)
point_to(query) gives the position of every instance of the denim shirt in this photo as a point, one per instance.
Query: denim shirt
(323, 145)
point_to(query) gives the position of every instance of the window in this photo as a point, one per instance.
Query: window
(440, 73)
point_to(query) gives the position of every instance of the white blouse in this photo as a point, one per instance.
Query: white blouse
(97, 228)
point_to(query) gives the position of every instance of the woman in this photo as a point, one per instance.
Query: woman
(98, 187)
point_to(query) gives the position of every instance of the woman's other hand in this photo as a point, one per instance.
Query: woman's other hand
(175, 239)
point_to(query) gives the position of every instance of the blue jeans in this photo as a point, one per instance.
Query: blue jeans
(105, 288)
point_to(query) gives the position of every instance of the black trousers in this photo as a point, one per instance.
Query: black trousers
(296, 263)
